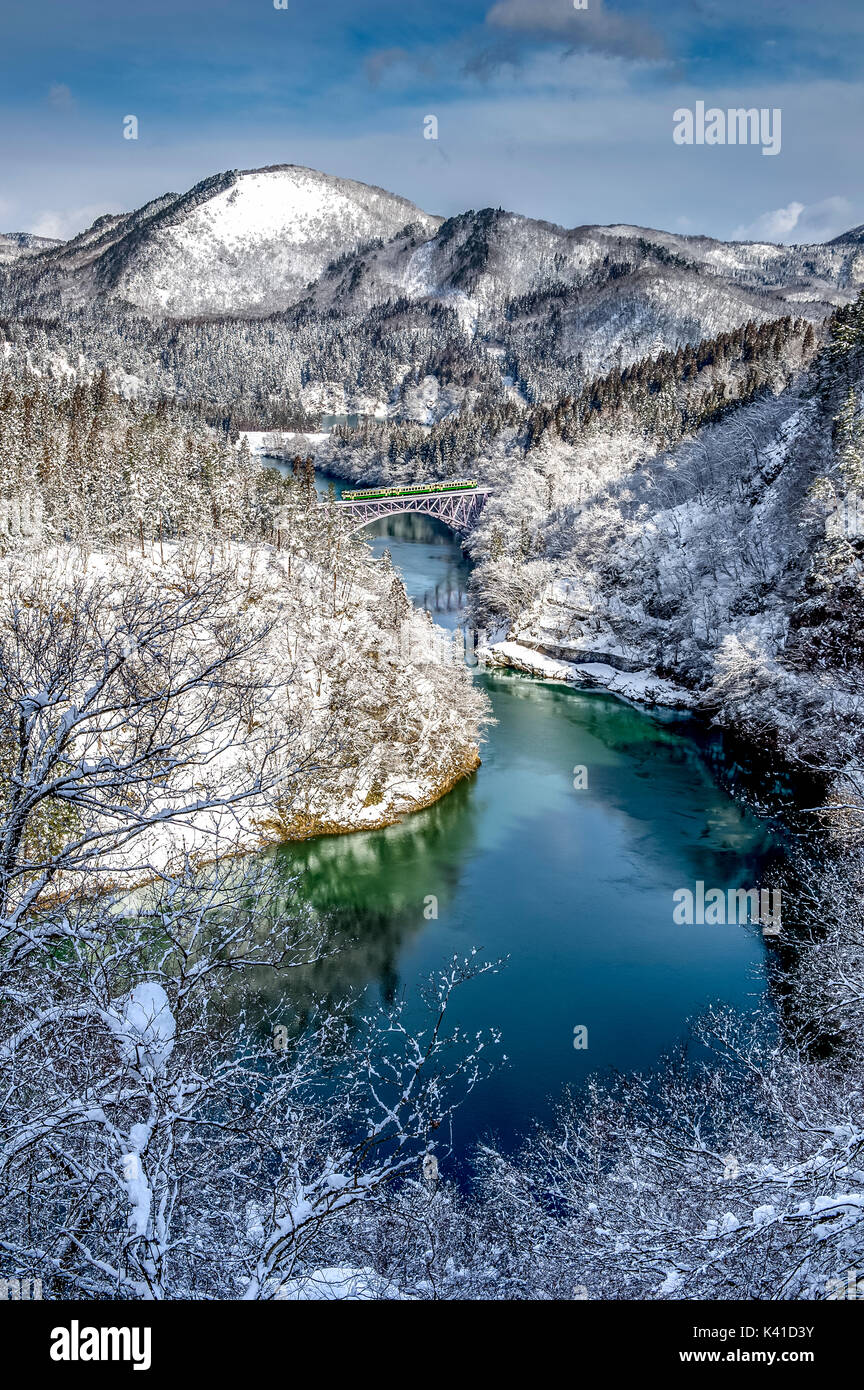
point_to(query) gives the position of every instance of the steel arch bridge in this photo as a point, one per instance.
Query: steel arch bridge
(459, 510)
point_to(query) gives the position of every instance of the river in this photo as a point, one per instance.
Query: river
(573, 886)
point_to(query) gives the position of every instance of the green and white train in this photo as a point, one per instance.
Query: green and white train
(377, 493)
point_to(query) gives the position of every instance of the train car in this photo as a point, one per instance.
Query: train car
(379, 493)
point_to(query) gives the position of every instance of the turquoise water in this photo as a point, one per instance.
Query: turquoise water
(574, 886)
(329, 421)
(434, 570)
(423, 550)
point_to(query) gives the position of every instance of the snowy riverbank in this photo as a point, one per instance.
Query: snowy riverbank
(642, 687)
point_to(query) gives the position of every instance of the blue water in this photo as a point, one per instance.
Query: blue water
(422, 549)
(574, 887)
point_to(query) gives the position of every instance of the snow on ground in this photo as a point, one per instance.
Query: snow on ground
(407, 715)
(255, 245)
(280, 443)
(642, 687)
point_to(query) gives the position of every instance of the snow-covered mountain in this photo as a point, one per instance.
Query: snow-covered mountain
(492, 255)
(246, 242)
(606, 294)
(292, 291)
(16, 244)
(259, 241)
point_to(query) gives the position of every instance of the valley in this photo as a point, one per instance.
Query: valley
(254, 790)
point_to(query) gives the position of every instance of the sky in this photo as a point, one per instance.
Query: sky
(543, 108)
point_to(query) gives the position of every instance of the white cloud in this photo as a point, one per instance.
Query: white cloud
(771, 226)
(800, 222)
(593, 28)
(66, 222)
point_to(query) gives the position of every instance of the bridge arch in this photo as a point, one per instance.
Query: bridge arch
(458, 510)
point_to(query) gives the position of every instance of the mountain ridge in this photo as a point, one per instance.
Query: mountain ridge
(361, 297)
(246, 242)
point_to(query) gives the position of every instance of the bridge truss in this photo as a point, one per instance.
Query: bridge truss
(459, 510)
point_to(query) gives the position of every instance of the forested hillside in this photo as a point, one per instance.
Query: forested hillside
(721, 564)
(92, 483)
(266, 297)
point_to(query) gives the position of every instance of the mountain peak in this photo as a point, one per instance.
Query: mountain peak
(250, 241)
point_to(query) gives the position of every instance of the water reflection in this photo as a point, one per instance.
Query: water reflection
(423, 549)
(428, 557)
(575, 887)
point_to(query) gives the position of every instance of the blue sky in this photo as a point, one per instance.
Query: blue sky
(559, 113)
